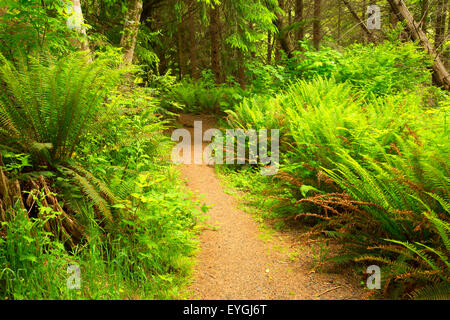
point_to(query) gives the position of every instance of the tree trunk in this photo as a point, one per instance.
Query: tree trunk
(364, 34)
(283, 38)
(277, 51)
(181, 50)
(424, 15)
(316, 23)
(241, 69)
(447, 52)
(300, 34)
(392, 19)
(441, 16)
(269, 48)
(130, 30)
(214, 32)
(339, 23)
(440, 35)
(253, 52)
(360, 21)
(401, 11)
(193, 48)
(75, 21)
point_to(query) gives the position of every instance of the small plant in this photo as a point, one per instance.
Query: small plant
(320, 256)
(202, 96)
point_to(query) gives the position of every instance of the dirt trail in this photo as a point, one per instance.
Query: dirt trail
(235, 262)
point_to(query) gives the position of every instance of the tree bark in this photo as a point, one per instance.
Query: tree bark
(300, 34)
(75, 21)
(181, 50)
(241, 69)
(283, 38)
(277, 51)
(130, 30)
(441, 16)
(214, 32)
(316, 23)
(193, 48)
(269, 48)
(339, 23)
(441, 74)
(364, 35)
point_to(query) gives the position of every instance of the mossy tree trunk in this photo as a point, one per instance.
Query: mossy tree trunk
(130, 30)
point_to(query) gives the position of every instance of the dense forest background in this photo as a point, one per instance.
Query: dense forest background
(89, 89)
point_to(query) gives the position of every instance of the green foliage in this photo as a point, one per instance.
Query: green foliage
(420, 269)
(141, 245)
(203, 96)
(364, 145)
(371, 165)
(379, 69)
(250, 20)
(32, 264)
(138, 222)
(310, 63)
(47, 106)
(147, 256)
(34, 25)
(144, 51)
(265, 79)
(14, 163)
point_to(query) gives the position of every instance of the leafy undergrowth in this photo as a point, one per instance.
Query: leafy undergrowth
(148, 257)
(97, 159)
(201, 96)
(370, 171)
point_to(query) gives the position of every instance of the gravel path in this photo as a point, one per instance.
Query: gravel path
(236, 262)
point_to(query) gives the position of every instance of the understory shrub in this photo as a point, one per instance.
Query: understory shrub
(202, 96)
(374, 69)
(373, 171)
(77, 148)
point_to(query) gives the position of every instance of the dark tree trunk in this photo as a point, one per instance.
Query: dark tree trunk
(339, 22)
(241, 69)
(182, 63)
(193, 50)
(300, 34)
(269, 48)
(316, 23)
(192, 28)
(214, 32)
(277, 51)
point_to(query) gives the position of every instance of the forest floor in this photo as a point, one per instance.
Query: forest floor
(239, 259)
